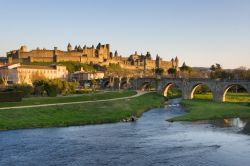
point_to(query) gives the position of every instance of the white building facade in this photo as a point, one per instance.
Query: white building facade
(18, 74)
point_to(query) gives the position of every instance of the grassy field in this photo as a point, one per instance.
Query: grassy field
(238, 97)
(174, 93)
(230, 97)
(65, 99)
(78, 114)
(201, 108)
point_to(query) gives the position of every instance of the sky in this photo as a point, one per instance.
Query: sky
(199, 32)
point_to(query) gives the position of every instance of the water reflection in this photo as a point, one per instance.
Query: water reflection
(239, 124)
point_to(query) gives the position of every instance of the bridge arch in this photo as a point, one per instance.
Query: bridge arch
(229, 86)
(167, 86)
(199, 84)
(188, 87)
(125, 84)
(146, 86)
(106, 84)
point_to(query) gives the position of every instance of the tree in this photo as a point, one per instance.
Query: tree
(22, 77)
(213, 68)
(172, 71)
(218, 66)
(39, 87)
(26, 89)
(159, 71)
(54, 87)
(217, 71)
(241, 73)
(4, 76)
(185, 69)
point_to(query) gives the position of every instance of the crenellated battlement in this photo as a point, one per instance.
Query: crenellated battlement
(100, 54)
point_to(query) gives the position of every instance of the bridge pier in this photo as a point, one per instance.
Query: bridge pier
(218, 97)
(186, 94)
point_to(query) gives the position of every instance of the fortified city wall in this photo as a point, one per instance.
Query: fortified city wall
(92, 55)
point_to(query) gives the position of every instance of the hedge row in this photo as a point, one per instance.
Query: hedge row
(11, 96)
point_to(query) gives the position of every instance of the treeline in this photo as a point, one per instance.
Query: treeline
(217, 72)
(45, 87)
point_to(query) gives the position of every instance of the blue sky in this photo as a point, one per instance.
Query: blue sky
(200, 32)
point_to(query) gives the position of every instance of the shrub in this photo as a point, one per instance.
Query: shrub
(83, 91)
(11, 96)
(39, 87)
(39, 90)
(54, 87)
(25, 88)
(51, 90)
(72, 87)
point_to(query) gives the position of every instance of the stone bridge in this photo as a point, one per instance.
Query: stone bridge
(218, 88)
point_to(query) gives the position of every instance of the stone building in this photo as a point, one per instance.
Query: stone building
(100, 54)
(86, 76)
(16, 73)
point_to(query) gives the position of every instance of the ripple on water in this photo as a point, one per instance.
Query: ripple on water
(149, 141)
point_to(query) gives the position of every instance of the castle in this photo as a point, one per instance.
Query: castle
(91, 55)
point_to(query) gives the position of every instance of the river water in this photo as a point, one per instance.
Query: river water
(149, 141)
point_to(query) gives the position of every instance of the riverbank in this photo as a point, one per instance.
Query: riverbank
(198, 109)
(78, 114)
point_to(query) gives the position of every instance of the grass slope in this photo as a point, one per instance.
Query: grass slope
(78, 114)
(65, 99)
(200, 108)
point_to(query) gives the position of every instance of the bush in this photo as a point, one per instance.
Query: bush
(39, 90)
(11, 96)
(72, 87)
(83, 91)
(26, 89)
(51, 90)
(54, 87)
(39, 87)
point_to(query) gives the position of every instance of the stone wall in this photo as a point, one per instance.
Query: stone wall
(90, 52)
(39, 59)
(100, 55)
(36, 53)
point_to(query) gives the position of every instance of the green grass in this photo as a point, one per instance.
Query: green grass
(237, 105)
(65, 99)
(174, 93)
(205, 96)
(78, 114)
(230, 97)
(238, 97)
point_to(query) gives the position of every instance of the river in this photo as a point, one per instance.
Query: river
(151, 140)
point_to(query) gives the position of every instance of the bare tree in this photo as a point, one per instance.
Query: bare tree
(5, 76)
(22, 77)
